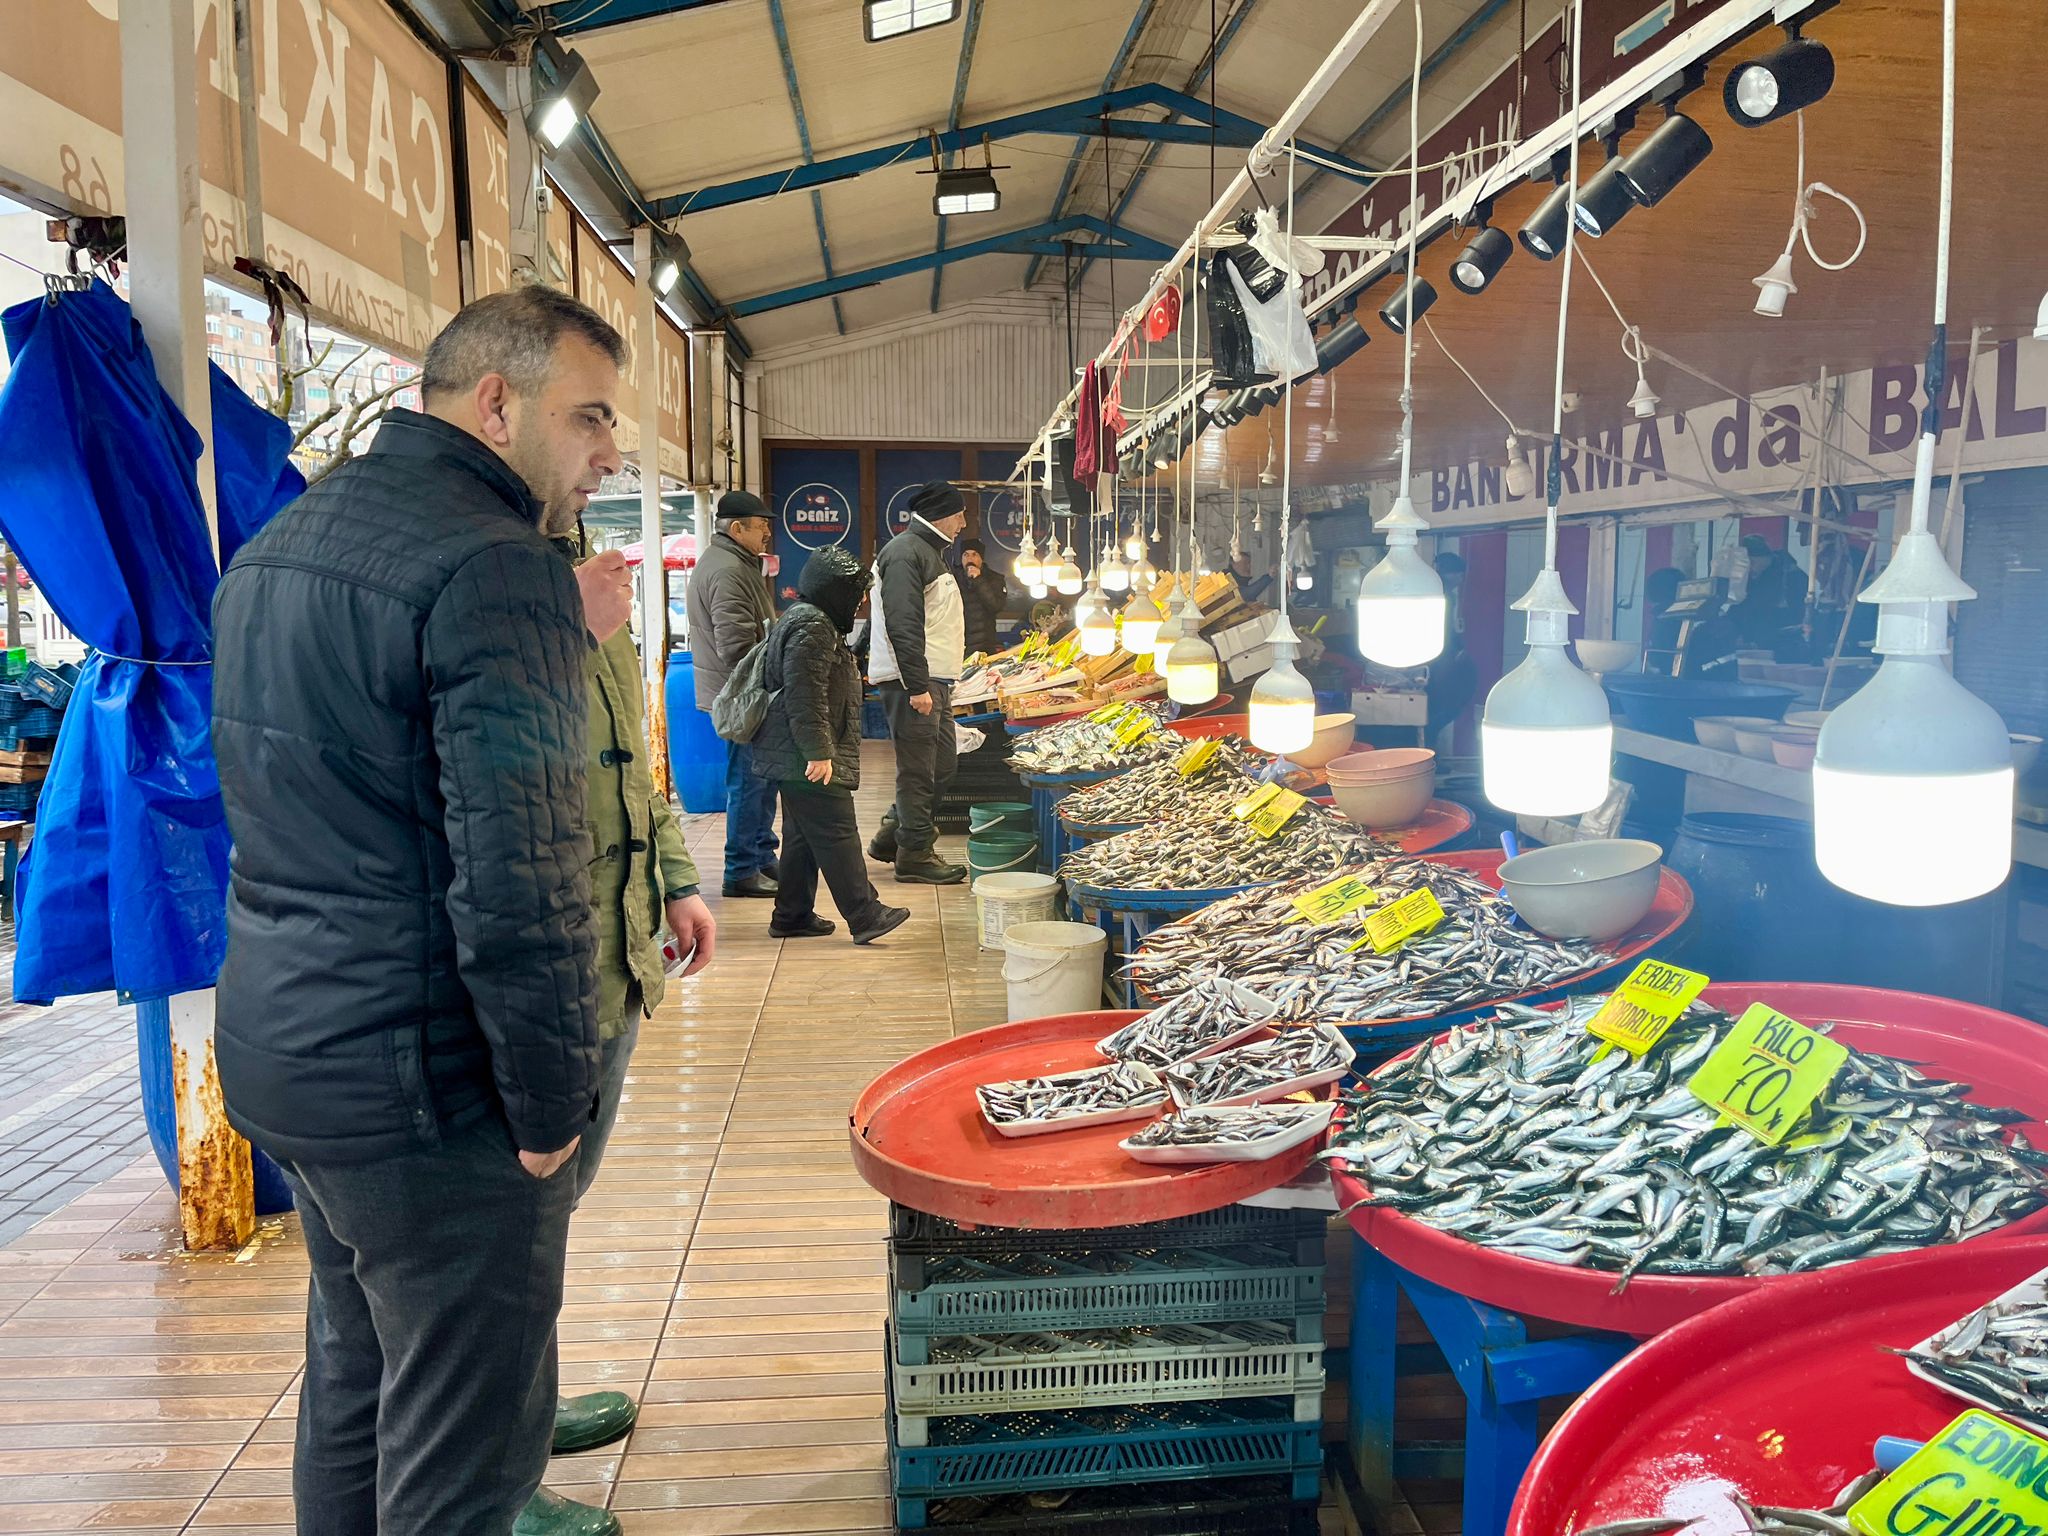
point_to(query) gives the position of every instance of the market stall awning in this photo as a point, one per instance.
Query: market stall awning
(678, 551)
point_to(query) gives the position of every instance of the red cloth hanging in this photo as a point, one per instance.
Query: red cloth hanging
(1088, 428)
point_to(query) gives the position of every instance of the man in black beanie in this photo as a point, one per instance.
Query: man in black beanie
(918, 644)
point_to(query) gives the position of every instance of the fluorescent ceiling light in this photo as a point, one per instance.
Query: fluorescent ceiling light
(885, 19)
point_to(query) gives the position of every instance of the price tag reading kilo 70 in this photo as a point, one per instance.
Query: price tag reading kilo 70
(1768, 1073)
(1276, 811)
(1340, 898)
(1400, 921)
(1640, 1010)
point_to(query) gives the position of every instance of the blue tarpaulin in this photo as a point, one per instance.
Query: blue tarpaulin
(124, 887)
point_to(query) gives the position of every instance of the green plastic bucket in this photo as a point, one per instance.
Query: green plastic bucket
(1013, 815)
(1000, 851)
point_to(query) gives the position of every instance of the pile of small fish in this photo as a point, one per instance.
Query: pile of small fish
(1509, 1133)
(1082, 745)
(1159, 790)
(1999, 1355)
(1245, 1069)
(1068, 1094)
(1235, 1126)
(1757, 1519)
(1198, 1020)
(1218, 851)
(1321, 972)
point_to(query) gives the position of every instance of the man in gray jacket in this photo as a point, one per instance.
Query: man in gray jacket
(918, 641)
(729, 613)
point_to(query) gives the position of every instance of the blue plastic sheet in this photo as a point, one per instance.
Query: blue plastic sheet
(124, 887)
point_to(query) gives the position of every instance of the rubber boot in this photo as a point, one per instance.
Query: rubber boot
(549, 1514)
(593, 1419)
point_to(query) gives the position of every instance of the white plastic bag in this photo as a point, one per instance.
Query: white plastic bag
(1298, 256)
(1282, 343)
(966, 738)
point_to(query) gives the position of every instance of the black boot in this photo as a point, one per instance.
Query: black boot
(812, 927)
(925, 867)
(885, 920)
(882, 846)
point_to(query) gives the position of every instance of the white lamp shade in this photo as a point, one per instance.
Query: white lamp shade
(1134, 547)
(1025, 566)
(1283, 711)
(1087, 605)
(1098, 633)
(1142, 623)
(1546, 742)
(1038, 590)
(1116, 576)
(1913, 789)
(1067, 575)
(1401, 610)
(1191, 671)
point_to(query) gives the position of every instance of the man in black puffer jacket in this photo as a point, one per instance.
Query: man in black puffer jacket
(810, 746)
(407, 1019)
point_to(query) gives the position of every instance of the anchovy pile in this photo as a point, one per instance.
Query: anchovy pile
(1065, 1095)
(1314, 972)
(1159, 790)
(1219, 851)
(1231, 1127)
(1257, 1067)
(1195, 1021)
(1508, 1133)
(1081, 745)
(1999, 1355)
(1757, 1519)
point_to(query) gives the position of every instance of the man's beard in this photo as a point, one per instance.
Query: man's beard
(559, 518)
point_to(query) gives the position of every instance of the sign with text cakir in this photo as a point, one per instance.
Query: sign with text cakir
(1765, 449)
(608, 286)
(490, 196)
(358, 190)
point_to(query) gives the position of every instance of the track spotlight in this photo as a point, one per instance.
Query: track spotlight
(1416, 291)
(1664, 159)
(1347, 337)
(1604, 200)
(563, 89)
(1482, 260)
(1543, 235)
(1788, 79)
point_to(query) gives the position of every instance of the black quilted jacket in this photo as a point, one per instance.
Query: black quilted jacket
(400, 719)
(816, 712)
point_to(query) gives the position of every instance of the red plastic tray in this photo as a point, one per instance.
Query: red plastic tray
(919, 1138)
(1441, 821)
(1960, 1041)
(1779, 1396)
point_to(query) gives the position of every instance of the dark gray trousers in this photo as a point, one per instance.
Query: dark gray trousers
(926, 755)
(429, 1396)
(820, 835)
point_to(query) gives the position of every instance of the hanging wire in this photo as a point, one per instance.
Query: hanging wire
(1414, 230)
(1555, 487)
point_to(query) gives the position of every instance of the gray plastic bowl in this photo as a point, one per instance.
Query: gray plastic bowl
(1594, 890)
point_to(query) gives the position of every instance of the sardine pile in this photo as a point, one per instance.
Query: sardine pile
(1157, 791)
(1081, 745)
(1254, 1068)
(1218, 851)
(1757, 1519)
(1999, 1355)
(1508, 1133)
(1068, 1094)
(1258, 940)
(1231, 1127)
(1197, 1020)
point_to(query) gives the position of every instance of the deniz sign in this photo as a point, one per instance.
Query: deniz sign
(1002, 519)
(896, 516)
(817, 515)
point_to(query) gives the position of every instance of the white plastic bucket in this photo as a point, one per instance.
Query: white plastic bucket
(1053, 968)
(1003, 901)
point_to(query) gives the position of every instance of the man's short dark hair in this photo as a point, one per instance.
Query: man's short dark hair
(513, 334)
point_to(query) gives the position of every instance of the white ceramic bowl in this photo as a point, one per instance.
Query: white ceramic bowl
(1376, 767)
(1593, 890)
(1605, 655)
(1332, 739)
(1387, 803)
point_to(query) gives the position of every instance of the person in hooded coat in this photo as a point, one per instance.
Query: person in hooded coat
(809, 746)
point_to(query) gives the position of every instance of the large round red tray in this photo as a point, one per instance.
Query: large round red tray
(1959, 1041)
(1779, 1396)
(919, 1138)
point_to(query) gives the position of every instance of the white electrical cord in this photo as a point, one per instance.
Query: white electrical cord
(1414, 228)
(1554, 470)
(1287, 411)
(1803, 212)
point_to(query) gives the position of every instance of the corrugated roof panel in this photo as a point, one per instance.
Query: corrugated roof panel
(858, 93)
(755, 248)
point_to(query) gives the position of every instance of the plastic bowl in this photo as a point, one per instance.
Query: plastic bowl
(1387, 803)
(1594, 890)
(1792, 747)
(1667, 706)
(1378, 767)
(1754, 741)
(2026, 752)
(1332, 739)
(1718, 731)
(1606, 655)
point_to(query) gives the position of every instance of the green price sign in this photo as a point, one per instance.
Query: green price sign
(1768, 1073)
(1639, 1011)
(1980, 1475)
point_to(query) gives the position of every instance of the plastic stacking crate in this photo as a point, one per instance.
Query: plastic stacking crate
(1105, 1447)
(1260, 1506)
(1043, 1293)
(916, 1239)
(1093, 1368)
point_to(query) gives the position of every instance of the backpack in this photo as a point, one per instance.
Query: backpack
(742, 704)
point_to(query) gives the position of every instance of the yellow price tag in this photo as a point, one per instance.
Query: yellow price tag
(1275, 813)
(1340, 898)
(1979, 1474)
(1768, 1073)
(1142, 663)
(1195, 756)
(1067, 649)
(1398, 922)
(1107, 714)
(1639, 1011)
(1254, 800)
(1135, 728)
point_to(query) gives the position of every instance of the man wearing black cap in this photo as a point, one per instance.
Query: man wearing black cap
(729, 613)
(918, 644)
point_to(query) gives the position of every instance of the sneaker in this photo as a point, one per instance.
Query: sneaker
(549, 1514)
(927, 868)
(812, 927)
(756, 884)
(887, 920)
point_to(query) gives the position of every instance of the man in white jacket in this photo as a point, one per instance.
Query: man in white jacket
(918, 642)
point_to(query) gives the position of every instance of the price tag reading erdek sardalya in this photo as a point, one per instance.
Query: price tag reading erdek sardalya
(1640, 1010)
(1398, 922)
(1195, 757)
(1275, 813)
(1980, 1475)
(1768, 1073)
(1340, 898)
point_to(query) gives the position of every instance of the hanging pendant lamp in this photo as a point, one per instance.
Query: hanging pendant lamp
(1142, 621)
(1097, 625)
(1067, 577)
(1283, 705)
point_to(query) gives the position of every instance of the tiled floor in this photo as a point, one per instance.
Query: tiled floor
(727, 1270)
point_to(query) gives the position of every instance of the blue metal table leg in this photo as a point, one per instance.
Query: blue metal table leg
(1375, 1293)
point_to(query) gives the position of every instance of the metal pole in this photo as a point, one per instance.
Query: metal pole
(160, 146)
(653, 569)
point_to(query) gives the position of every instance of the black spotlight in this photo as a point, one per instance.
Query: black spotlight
(1788, 79)
(1603, 201)
(1543, 235)
(1664, 159)
(1270, 394)
(1481, 260)
(1231, 410)
(1394, 314)
(1339, 342)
